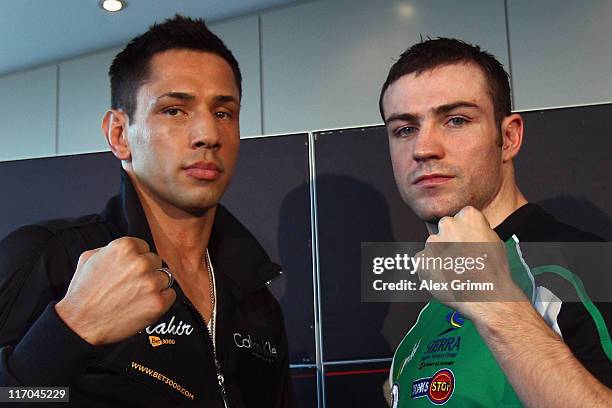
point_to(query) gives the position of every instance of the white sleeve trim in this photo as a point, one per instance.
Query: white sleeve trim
(406, 335)
(520, 254)
(548, 306)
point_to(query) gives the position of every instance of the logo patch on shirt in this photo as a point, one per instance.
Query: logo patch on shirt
(156, 341)
(261, 349)
(139, 368)
(441, 352)
(456, 321)
(176, 329)
(438, 389)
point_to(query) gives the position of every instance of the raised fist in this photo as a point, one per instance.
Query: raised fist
(116, 291)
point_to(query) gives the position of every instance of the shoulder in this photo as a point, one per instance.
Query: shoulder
(553, 230)
(264, 300)
(540, 226)
(50, 228)
(33, 239)
(47, 251)
(37, 263)
(25, 243)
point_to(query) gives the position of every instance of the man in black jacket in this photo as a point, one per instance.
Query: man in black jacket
(162, 299)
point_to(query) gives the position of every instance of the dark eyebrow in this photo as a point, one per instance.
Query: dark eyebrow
(177, 95)
(190, 97)
(406, 117)
(438, 110)
(226, 98)
(444, 109)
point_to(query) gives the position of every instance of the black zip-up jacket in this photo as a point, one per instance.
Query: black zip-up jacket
(171, 362)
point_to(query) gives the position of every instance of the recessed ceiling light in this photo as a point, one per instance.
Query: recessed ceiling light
(112, 5)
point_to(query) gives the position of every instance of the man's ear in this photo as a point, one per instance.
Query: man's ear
(115, 128)
(512, 136)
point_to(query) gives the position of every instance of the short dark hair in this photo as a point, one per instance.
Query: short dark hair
(433, 53)
(131, 67)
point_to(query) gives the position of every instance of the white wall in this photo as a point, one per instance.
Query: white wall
(28, 114)
(242, 38)
(320, 65)
(561, 52)
(84, 97)
(326, 71)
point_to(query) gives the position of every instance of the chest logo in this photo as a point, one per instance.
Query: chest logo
(156, 341)
(177, 329)
(261, 349)
(438, 389)
(455, 319)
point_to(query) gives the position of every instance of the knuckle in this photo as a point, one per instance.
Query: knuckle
(154, 260)
(140, 243)
(152, 286)
(117, 242)
(120, 244)
(446, 220)
(170, 297)
(128, 244)
(471, 212)
(86, 255)
(158, 303)
(140, 264)
(147, 287)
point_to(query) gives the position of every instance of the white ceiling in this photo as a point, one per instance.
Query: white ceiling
(37, 32)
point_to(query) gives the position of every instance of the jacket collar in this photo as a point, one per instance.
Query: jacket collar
(234, 251)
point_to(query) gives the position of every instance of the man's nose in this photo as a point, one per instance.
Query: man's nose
(205, 133)
(428, 144)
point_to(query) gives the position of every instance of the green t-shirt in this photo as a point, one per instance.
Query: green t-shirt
(443, 359)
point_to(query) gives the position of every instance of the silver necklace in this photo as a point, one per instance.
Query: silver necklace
(211, 285)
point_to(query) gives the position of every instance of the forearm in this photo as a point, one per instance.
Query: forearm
(49, 354)
(541, 368)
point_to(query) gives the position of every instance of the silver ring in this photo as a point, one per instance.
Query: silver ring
(170, 277)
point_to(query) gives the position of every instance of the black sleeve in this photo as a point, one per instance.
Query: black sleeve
(36, 346)
(582, 336)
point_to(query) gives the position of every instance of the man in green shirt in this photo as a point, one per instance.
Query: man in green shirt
(452, 140)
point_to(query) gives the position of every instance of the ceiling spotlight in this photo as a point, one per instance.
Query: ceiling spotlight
(112, 5)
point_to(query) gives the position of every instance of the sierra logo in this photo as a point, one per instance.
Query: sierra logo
(438, 389)
(264, 350)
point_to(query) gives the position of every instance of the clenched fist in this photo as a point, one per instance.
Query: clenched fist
(115, 292)
(478, 274)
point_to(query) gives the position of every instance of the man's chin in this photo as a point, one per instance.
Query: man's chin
(200, 210)
(432, 216)
(198, 205)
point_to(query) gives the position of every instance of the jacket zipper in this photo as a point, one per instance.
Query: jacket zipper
(220, 379)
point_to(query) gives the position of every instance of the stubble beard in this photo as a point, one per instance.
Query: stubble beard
(446, 206)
